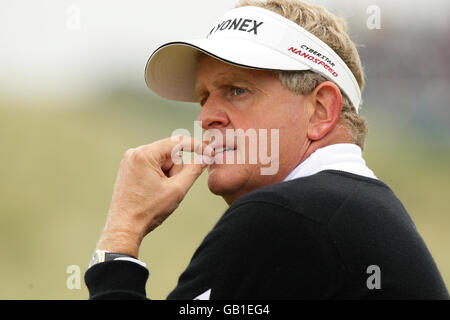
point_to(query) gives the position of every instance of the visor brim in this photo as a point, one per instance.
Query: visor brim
(171, 70)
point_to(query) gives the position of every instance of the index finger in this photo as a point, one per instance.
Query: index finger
(169, 148)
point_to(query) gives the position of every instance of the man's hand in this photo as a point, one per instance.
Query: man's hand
(151, 183)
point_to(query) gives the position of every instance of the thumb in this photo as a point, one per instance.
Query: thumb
(186, 177)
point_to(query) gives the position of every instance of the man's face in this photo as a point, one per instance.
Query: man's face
(238, 98)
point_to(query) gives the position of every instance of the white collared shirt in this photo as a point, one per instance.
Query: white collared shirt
(342, 157)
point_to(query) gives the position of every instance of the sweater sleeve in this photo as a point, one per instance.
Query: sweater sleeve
(262, 250)
(113, 280)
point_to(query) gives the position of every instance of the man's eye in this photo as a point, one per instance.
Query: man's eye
(238, 91)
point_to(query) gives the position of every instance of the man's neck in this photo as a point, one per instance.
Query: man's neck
(338, 135)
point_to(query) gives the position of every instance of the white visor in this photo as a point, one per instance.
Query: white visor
(248, 37)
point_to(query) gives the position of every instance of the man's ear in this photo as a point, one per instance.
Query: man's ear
(327, 105)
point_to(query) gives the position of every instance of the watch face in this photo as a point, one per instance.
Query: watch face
(95, 259)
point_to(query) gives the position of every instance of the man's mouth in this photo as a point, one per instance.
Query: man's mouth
(222, 154)
(223, 149)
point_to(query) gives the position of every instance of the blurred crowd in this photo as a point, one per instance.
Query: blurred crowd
(408, 74)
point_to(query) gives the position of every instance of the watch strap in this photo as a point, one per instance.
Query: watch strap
(100, 256)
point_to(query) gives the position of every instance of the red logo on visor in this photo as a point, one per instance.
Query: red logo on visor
(314, 59)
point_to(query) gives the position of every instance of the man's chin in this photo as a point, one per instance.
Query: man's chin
(225, 180)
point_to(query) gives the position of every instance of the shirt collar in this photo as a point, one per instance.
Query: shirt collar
(342, 157)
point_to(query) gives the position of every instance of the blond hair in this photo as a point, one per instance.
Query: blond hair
(333, 31)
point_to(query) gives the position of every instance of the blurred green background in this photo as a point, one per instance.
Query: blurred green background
(63, 135)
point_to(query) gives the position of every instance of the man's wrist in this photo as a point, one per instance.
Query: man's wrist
(100, 256)
(120, 242)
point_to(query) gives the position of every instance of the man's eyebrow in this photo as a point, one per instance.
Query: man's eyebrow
(220, 81)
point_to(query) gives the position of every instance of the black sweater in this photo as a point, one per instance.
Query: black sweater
(333, 235)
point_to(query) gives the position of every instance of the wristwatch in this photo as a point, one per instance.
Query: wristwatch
(102, 256)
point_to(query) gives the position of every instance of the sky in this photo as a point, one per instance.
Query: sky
(70, 46)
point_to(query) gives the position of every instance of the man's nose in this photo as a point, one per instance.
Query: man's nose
(212, 115)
